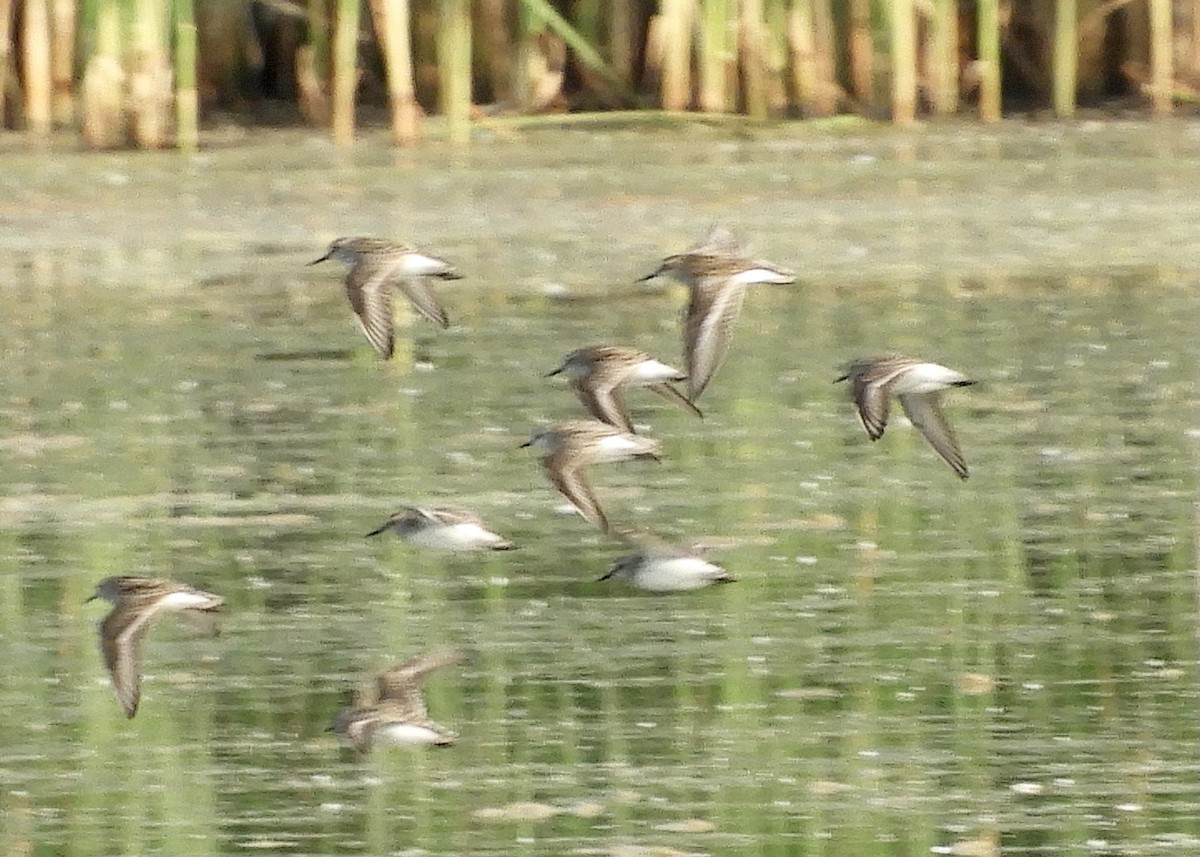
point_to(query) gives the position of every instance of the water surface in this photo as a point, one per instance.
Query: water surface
(908, 663)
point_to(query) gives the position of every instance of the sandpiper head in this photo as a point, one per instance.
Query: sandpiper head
(109, 589)
(665, 269)
(341, 723)
(542, 439)
(575, 365)
(401, 522)
(341, 249)
(623, 569)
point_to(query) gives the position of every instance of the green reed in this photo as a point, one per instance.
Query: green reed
(718, 55)
(6, 56)
(186, 99)
(454, 68)
(1066, 36)
(345, 70)
(989, 59)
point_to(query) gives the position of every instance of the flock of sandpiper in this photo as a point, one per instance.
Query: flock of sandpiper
(716, 272)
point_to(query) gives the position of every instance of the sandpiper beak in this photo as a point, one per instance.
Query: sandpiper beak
(611, 571)
(322, 259)
(651, 275)
(552, 374)
(377, 531)
(526, 445)
(90, 599)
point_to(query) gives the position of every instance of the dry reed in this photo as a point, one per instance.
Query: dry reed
(1065, 57)
(904, 62)
(38, 107)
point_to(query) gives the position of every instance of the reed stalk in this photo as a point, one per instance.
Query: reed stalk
(150, 86)
(989, 60)
(943, 65)
(392, 27)
(345, 71)
(1161, 59)
(904, 62)
(36, 63)
(543, 14)
(621, 38)
(102, 94)
(454, 68)
(862, 51)
(187, 104)
(1066, 57)
(62, 61)
(773, 34)
(803, 53)
(826, 56)
(716, 56)
(677, 18)
(312, 66)
(6, 13)
(752, 41)
(496, 46)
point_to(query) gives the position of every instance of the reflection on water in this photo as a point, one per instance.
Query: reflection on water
(908, 664)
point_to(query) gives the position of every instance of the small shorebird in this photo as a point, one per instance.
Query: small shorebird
(660, 567)
(597, 373)
(396, 714)
(443, 528)
(716, 271)
(137, 603)
(917, 384)
(568, 447)
(374, 266)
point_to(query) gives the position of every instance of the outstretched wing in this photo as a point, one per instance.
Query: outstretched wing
(121, 635)
(401, 682)
(714, 307)
(422, 296)
(668, 392)
(367, 286)
(925, 411)
(571, 482)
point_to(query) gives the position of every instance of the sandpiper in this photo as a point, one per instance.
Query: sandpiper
(917, 384)
(659, 567)
(443, 528)
(374, 266)
(137, 602)
(597, 372)
(395, 713)
(717, 271)
(568, 447)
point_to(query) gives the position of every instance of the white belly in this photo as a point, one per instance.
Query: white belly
(653, 372)
(457, 537)
(925, 378)
(677, 575)
(619, 447)
(404, 735)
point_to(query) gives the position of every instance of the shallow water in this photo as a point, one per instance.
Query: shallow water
(907, 664)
